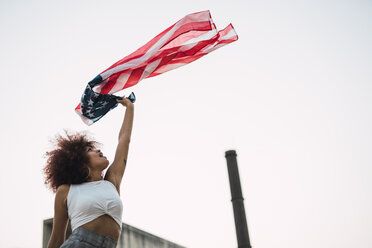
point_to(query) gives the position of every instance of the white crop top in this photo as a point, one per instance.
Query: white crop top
(87, 201)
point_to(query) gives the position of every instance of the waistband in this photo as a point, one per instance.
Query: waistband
(94, 238)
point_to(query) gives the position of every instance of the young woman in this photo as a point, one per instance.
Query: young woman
(74, 171)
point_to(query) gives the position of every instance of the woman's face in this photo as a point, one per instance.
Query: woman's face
(96, 158)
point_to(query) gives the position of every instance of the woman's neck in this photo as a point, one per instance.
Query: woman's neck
(95, 177)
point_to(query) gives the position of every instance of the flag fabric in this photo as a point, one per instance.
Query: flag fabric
(189, 39)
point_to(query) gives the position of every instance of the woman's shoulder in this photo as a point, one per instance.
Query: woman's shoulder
(61, 194)
(63, 189)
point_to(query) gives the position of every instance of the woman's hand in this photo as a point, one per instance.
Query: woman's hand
(125, 102)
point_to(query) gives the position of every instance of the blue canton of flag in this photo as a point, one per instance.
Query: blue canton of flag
(94, 105)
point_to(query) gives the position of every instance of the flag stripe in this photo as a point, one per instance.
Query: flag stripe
(202, 20)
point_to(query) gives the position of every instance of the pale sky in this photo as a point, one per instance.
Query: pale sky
(292, 96)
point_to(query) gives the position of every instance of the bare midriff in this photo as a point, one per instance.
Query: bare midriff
(104, 225)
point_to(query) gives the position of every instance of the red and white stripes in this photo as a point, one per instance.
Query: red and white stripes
(187, 40)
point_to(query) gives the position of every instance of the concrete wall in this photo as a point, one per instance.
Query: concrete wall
(131, 237)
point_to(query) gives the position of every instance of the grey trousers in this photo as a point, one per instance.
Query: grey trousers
(84, 238)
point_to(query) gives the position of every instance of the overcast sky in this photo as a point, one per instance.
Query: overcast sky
(292, 96)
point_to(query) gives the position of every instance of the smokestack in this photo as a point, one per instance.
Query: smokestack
(237, 201)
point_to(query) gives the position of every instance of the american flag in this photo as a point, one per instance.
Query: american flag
(187, 40)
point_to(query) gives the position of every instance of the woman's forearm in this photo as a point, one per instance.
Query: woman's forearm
(126, 127)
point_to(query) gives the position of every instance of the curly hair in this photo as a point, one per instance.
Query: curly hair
(68, 162)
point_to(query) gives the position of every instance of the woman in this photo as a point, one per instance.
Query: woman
(74, 171)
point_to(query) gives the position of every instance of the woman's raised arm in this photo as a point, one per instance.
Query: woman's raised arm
(116, 171)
